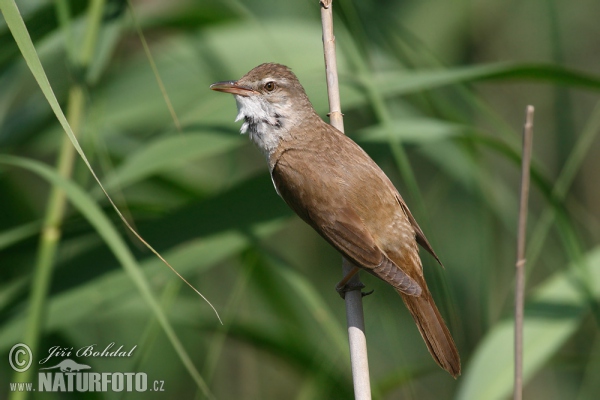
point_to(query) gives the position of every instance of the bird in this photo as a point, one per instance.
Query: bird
(332, 184)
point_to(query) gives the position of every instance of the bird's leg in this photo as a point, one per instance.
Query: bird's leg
(343, 286)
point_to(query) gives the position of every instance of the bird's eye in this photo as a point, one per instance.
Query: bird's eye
(270, 86)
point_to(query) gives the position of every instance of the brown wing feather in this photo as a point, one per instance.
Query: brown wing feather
(343, 229)
(354, 241)
(420, 236)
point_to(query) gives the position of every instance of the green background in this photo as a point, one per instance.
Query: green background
(434, 91)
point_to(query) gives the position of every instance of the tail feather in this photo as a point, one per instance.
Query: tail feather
(434, 331)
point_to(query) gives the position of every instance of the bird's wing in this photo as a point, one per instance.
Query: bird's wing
(421, 239)
(346, 232)
(342, 227)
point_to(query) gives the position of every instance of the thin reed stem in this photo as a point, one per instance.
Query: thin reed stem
(520, 265)
(354, 309)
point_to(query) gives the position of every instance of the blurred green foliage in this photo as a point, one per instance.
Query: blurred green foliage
(436, 94)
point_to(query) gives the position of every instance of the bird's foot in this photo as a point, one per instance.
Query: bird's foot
(342, 289)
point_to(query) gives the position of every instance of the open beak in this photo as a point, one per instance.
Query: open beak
(233, 88)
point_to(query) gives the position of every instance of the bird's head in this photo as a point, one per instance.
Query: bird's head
(270, 100)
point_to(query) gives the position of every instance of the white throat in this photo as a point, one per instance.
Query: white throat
(263, 121)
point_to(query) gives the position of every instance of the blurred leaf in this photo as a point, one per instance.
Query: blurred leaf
(81, 200)
(201, 235)
(19, 30)
(192, 257)
(310, 298)
(553, 313)
(457, 163)
(195, 14)
(15, 235)
(412, 130)
(170, 152)
(40, 22)
(403, 82)
(398, 378)
(293, 352)
(241, 208)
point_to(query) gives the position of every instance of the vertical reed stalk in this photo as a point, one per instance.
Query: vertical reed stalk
(520, 265)
(55, 209)
(354, 310)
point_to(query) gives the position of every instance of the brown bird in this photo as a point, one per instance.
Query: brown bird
(335, 187)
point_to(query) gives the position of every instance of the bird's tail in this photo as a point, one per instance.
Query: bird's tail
(434, 331)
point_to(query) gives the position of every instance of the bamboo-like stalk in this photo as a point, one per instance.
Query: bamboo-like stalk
(354, 310)
(51, 229)
(520, 265)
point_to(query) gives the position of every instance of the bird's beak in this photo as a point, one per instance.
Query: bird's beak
(233, 88)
